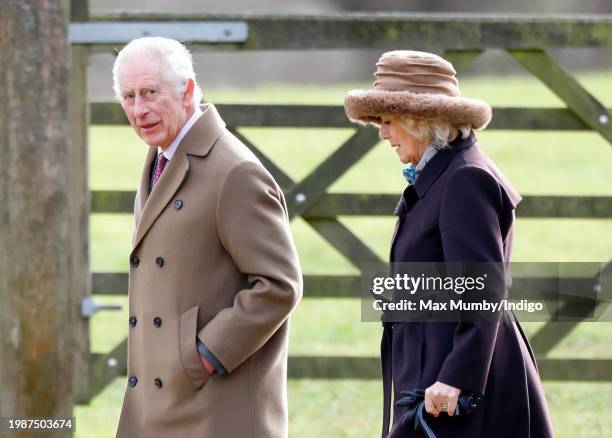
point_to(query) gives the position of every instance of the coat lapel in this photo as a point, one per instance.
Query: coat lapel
(430, 174)
(166, 187)
(198, 141)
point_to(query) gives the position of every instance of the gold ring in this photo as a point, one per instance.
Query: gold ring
(443, 408)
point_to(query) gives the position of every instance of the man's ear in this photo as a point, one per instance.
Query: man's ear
(188, 94)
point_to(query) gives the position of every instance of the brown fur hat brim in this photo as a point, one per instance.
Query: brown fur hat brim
(368, 106)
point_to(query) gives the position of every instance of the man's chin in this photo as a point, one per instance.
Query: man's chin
(150, 140)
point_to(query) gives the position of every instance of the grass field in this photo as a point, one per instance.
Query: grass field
(537, 163)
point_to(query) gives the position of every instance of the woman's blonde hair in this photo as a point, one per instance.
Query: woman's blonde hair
(438, 134)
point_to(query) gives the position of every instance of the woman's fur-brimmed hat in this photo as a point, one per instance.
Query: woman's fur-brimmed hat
(419, 85)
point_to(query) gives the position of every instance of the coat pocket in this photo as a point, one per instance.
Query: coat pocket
(190, 358)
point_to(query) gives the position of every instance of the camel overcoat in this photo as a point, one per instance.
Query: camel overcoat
(212, 257)
(461, 209)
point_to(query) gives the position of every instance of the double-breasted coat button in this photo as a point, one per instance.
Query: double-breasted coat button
(133, 321)
(132, 381)
(178, 204)
(157, 321)
(159, 261)
(158, 382)
(134, 261)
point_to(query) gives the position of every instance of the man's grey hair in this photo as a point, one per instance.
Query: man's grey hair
(176, 63)
(439, 134)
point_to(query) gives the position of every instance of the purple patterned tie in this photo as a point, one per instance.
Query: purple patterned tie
(159, 168)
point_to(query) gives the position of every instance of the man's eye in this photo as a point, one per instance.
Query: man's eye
(150, 92)
(128, 96)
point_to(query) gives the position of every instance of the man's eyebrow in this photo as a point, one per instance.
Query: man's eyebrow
(140, 87)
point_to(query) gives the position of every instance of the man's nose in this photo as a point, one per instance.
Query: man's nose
(140, 107)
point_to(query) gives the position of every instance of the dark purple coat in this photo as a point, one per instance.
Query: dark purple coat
(462, 209)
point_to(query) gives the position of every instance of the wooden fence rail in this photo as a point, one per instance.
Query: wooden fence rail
(354, 30)
(333, 116)
(350, 204)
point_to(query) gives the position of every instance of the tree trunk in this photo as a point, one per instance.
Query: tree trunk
(39, 207)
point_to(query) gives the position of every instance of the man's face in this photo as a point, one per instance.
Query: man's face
(150, 103)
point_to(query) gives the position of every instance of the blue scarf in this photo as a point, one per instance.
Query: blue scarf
(411, 173)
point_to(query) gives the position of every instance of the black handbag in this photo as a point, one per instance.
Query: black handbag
(414, 401)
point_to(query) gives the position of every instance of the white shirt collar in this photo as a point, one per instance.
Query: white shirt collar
(427, 155)
(170, 150)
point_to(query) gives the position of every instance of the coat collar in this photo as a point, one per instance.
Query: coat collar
(439, 162)
(430, 174)
(434, 169)
(198, 141)
(204, 133)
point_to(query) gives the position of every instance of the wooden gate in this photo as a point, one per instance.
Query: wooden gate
(463, 39)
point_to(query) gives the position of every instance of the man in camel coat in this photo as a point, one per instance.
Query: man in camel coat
(214, 272)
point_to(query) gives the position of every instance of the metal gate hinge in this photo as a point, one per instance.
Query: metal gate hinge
(89, 307)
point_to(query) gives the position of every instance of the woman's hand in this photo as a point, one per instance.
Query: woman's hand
(438, 395)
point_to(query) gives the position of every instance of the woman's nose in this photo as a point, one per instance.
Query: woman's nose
(383, 132)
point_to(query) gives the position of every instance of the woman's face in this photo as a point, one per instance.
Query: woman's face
(408, 148)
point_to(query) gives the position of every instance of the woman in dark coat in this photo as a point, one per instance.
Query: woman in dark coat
(458, 208)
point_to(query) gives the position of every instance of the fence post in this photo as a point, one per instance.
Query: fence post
(38, 198)
(78, 162)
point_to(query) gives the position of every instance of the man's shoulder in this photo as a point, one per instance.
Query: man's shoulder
(228, 159)
(229, 150)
